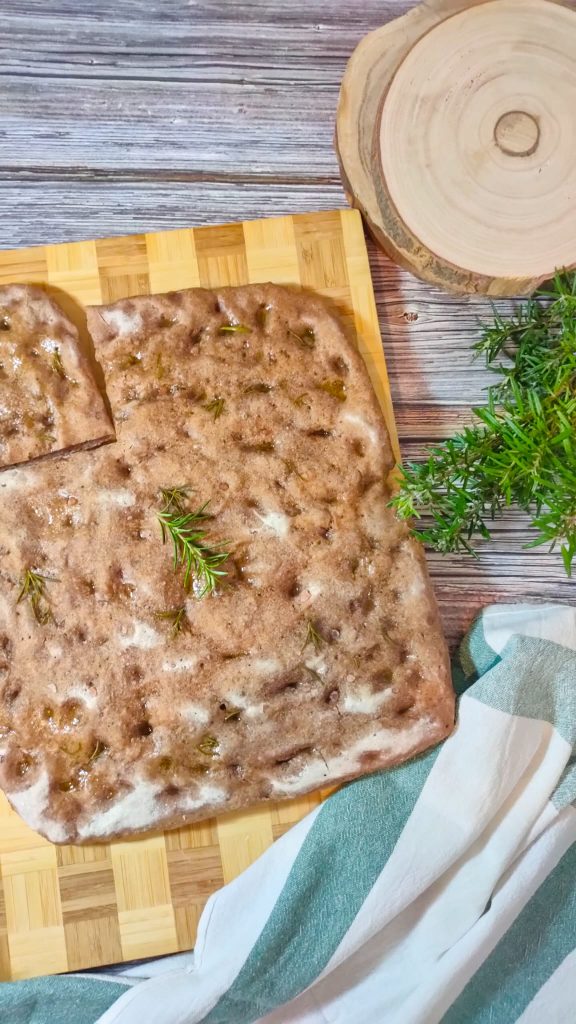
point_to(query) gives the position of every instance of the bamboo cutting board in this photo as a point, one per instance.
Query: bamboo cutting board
(68, 908)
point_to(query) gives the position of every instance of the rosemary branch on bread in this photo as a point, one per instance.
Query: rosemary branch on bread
(33, 590)
(200, 560)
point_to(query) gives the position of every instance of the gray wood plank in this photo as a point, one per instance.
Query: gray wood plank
(208, 127)
(58, 206)
(200, 86)
(314, 14)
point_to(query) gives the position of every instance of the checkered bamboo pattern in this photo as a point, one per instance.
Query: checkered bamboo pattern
(67, 908)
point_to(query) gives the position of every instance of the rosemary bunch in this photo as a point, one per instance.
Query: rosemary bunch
(201, 561)
(523, 449)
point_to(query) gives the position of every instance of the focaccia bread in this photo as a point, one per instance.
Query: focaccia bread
(49, 400)
(129, 702)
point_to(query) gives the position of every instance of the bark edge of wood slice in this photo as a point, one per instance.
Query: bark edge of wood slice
(456, 139)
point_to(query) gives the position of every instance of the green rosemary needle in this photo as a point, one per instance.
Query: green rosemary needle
(201, 561)
(522, 450)
(234, 329)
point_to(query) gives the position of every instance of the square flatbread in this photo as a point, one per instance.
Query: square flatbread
(49, 400)
(129, 700)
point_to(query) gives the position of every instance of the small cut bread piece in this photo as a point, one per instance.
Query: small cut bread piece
(49, 400)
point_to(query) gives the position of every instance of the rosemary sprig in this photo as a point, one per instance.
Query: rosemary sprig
(33, 589)
(200, 560)
(177, 618)
(208, 745)
(313, 637)
(523, 449)
(215, 405)
(173, 499)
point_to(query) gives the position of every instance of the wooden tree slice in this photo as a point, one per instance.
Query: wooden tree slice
(456, 135)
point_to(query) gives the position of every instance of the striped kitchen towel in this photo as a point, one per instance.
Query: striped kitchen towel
(441, 891)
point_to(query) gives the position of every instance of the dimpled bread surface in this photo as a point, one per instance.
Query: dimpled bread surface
(318, 658)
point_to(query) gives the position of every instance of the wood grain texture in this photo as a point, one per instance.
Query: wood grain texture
(441, 103)
(217, 87)
(119, 117)
(71, 907)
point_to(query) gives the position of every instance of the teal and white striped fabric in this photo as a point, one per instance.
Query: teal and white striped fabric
(441, 891)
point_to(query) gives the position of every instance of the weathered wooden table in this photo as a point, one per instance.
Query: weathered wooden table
(119, 116)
